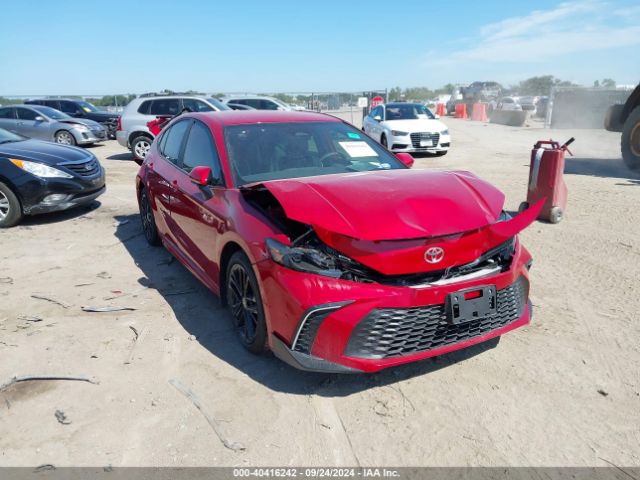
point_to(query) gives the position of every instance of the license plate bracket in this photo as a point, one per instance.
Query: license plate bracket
(471, 304)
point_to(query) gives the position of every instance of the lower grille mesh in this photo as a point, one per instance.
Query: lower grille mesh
(392, 332)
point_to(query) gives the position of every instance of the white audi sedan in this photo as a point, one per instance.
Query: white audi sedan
(407, 127)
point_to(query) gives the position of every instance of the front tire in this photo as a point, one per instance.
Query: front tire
(630, 142)
(383, 140)
(65, 138)
(148, 220)
(140, 148)
(10, 208)
(245, 304)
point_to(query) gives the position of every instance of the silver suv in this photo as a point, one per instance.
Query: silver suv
(133, 131)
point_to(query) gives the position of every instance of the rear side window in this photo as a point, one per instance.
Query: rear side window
(6, 113)
(172, 140)
(196, 105)
(68, 107)
(51, 103)
(26, 114)
(165, 106)
(144, 107)
(200, 150)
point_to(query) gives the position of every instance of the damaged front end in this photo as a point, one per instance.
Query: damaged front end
(310, 248)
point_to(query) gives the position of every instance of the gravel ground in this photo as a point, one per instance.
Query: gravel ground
(564, 391)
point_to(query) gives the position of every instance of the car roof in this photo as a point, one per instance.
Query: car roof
(245, 117)
(55, 99)
(394, 104)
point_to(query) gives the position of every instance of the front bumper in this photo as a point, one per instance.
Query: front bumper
(415, 144)
(85, 137)
(57, 194)
(323, 324)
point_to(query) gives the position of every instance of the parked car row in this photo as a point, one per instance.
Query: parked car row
(272, 211)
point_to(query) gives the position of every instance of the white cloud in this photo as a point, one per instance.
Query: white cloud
(569, 28)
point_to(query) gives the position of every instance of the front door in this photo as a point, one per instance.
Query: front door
(32, 128)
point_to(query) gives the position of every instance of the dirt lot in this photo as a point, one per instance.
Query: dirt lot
(563, 391)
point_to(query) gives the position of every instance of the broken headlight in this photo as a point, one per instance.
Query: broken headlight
(303, 259)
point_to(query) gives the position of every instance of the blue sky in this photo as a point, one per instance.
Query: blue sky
(91, 48)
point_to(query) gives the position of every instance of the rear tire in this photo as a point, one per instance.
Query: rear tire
(630, 141)
(140, 147)
(10, 208)
(245, 304)
(148, 220)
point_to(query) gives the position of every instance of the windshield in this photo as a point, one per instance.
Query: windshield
(88, 107)
(407, 112)
(302, 149)
(7, 136)
(51, 113)
(218, 104)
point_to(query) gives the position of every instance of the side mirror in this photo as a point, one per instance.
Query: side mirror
(377, 118)
(39, 118)
(201, 176)
(405, 158)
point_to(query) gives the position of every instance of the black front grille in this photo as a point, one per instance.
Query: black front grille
(416, 137)
(392, 332)
(86, 169)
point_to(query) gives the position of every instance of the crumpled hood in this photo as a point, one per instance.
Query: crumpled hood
(390, 205)
(81, 121)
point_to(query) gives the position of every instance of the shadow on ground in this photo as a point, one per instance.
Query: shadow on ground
(128, 156)
(202, 316)
(599, 167)
(55, 217)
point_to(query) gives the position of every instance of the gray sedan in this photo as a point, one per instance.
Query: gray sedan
(45, 123)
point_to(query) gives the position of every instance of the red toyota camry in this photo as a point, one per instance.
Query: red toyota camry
(326, 248)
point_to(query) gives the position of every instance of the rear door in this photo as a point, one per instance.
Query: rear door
(198, 212)
(8, 119)
(162, 175)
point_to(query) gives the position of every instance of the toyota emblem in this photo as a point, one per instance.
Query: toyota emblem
(433, 255)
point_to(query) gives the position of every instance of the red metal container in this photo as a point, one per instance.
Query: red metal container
(546, 179)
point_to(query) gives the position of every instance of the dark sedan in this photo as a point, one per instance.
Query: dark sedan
(39, 177)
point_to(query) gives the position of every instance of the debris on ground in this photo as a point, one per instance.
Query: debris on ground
(235, 446)
(603, 393)
(29, 318)
(104, 275)
(106, 309)
(51, 300)
(29, 378)
(7, 280)
(62, 418)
